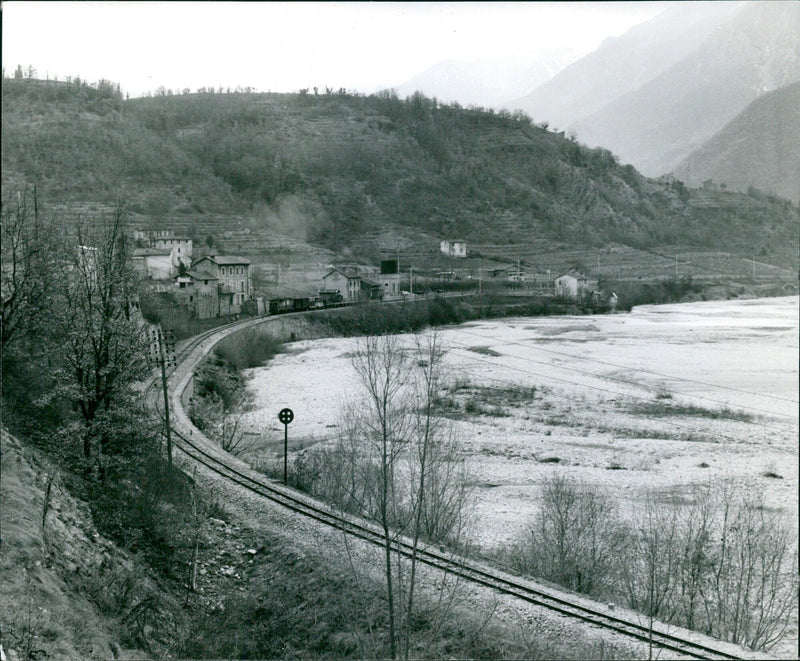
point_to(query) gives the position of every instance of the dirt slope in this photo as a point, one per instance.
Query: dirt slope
(62, 593)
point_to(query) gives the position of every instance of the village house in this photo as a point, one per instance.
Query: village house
(389, 282)
(574, 284)
(153, 263)
(146, 238)
(346, 281)
(389, 277)
(456, 248)
(233, 280)
(180, 247)
(198, 290)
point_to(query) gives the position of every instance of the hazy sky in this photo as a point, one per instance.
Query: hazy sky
(286, 46)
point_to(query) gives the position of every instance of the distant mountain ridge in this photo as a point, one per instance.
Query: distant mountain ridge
(483, 82)
(656, 126)
(726, 62)
(760, 147)
(622, 64)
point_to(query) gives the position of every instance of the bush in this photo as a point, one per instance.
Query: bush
(723, 564)
(575, 539)
(250, 347)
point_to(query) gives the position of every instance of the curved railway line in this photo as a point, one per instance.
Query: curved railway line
(660, 636)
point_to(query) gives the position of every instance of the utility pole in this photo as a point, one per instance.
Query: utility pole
(411, 280)
(166, 355)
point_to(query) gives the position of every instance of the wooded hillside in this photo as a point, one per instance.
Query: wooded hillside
(347, 165)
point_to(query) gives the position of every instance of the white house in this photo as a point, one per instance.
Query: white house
(456, 248)
(390, 283)
(153, 263)
(181, 248)
(574, 284)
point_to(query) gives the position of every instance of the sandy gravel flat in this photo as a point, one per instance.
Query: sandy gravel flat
(730, 367)
(592, 377)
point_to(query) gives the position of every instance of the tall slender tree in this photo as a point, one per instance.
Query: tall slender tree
(96, 321)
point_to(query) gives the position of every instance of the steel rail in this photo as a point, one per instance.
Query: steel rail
(463, 568)
(459, 567)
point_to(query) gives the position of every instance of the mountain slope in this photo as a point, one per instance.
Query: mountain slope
(76, 143)
(484, 83)
(760, 147)
(656, 126)
(622, 64)
(339, 167)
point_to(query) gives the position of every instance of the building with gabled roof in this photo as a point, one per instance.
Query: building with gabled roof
(199, 291)
(574, 284)
(453, 248)
(344, 280)
(371, 290)
(180, 246)
(153, 263)
(234, 285)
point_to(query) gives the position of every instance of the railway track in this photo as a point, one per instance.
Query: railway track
(658, 636)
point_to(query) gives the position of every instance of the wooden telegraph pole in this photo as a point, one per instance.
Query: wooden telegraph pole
(166, 355)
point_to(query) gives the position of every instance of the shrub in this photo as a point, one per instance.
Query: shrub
(575, 539)
(722, 564)
(250, 347)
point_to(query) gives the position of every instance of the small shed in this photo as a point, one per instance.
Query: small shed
(371, 290)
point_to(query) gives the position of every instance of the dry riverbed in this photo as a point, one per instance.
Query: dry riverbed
(664, 398)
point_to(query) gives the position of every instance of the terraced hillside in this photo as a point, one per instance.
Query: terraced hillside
(269, 173)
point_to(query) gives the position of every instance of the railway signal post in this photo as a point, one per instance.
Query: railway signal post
(285, 416)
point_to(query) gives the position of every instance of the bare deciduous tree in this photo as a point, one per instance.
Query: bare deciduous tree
(26, 257)
(95, 320)
(396, 463)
